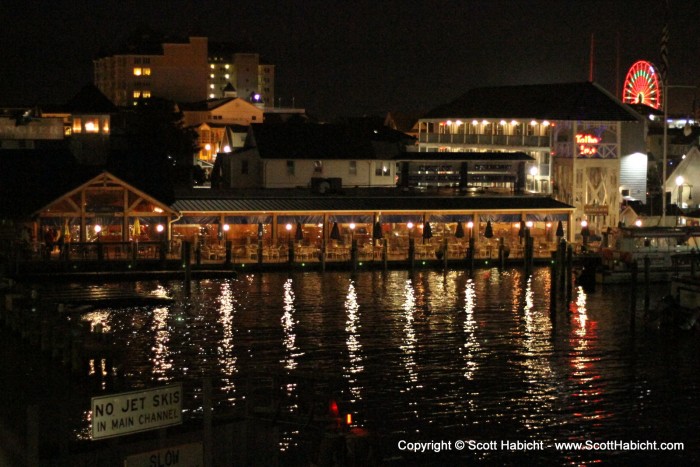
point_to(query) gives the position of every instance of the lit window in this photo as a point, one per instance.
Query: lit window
(318, 167)
(138, 71)
(92, 126)
(146, 94)
(77, 125)
(211, 75)
(105, 126)
(137, 94)
(211, 66)
(147, 72)
(211, 96)
(226, 76)
(226, 66)
(211, 86)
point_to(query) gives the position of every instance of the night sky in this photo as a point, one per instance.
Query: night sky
(352, 58)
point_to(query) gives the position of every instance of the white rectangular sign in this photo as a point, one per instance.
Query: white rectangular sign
(132, 412)
(185, 455)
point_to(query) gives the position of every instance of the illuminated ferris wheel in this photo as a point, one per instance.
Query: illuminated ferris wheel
(642, 85)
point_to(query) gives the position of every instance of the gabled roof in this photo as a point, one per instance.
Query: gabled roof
(212, 104)
(325, 141)
(584, 101)
(106, 179)
(90, 100)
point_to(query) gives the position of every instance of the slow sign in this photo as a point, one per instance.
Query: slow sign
(132, 412)
(186, 455)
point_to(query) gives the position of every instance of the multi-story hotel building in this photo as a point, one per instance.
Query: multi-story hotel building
(587, 146)
(243, 73)
(171, 70)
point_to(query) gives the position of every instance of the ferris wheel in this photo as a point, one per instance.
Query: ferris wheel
(642, 85)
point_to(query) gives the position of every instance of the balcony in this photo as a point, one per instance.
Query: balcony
(513, 141)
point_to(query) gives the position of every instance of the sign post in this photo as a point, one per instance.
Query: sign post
(133, 412)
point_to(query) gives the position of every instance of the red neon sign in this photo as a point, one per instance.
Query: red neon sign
(587, 144)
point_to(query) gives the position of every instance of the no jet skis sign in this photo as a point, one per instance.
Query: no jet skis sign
(133, 412)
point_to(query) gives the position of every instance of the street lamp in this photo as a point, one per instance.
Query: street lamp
(409, 225)
(98, 230)
(289, 230)
(533, 172)
(470, 226)
(352, 231)
(584, 233)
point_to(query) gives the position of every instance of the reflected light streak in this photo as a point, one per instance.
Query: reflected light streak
(471, 343)
(590, 393)
(352, 325)
(409, 341)
(97, 319)
(288, 323)
(162, 359)
(227, 359)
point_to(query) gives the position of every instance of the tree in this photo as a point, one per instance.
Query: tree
(156, 150)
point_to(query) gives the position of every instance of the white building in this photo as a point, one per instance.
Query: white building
(586, 145)
(324, 157)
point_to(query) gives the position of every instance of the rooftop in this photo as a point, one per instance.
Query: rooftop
(563, 101)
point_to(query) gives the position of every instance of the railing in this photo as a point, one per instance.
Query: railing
(487, 140)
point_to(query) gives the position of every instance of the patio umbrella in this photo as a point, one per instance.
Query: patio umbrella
(137, 228)
(299, 234)
(427, 231)
(335, 232)
(459, 232)
(377, 231)
(488, 233)
(560, 230)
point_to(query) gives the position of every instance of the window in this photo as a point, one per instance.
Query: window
(138, 71)
(146, 72)
(137, 94)
(352, 167)
(318, 167)
(244, 167)
(290, 167)
(146, 94)
(77, 125)
(381, 169)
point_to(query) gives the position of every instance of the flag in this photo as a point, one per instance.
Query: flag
(664, 47)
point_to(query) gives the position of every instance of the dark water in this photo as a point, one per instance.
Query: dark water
(428, 356)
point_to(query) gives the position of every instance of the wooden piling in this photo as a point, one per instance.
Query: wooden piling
(385, 254)
(569, 263)
(187, 261)
(471, 255)
(647, 264)
(412, 253)
(553, 276)
(353, 254)
(633, 294)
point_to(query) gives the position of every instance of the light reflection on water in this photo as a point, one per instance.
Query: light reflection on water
(426, 355)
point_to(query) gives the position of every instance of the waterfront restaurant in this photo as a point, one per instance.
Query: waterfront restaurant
(264, 226)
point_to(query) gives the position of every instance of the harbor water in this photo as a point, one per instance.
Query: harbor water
(426, 357)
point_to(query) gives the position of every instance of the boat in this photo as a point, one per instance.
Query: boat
(669, 250)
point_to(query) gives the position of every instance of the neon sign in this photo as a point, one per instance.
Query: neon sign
(587, 144)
